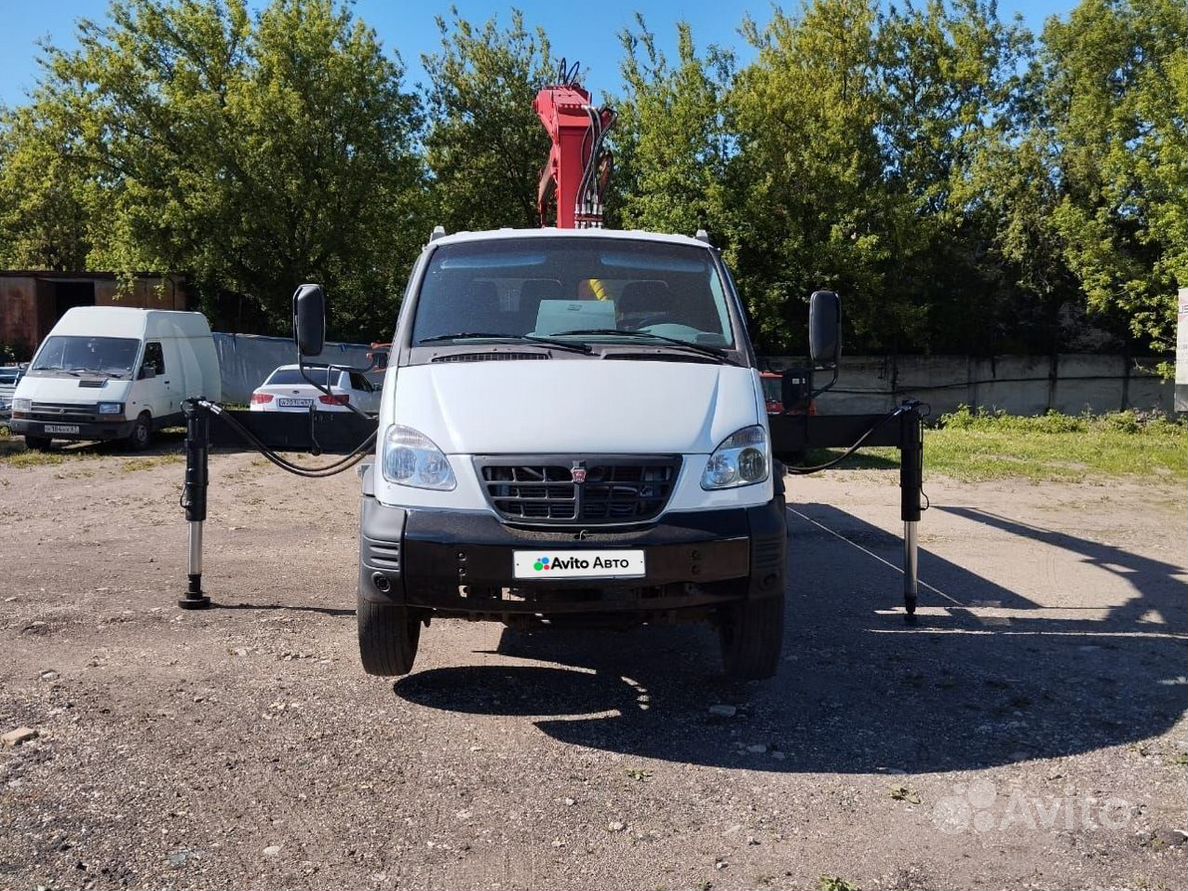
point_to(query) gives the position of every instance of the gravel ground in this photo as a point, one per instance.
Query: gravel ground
(1029, 732)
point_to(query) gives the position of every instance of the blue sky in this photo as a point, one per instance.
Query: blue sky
(590, 36)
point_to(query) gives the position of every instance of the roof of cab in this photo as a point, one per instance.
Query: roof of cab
(126, 321)
(552, 232)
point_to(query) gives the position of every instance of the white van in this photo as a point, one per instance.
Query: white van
(107, 373)
(572, 432)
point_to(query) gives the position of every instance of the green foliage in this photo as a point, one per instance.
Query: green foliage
(808, 194)
(964, 184)
(485, 146)
(250, 155)
(1115, 98)
(44, 187)
(670, 139)
(1129, 422)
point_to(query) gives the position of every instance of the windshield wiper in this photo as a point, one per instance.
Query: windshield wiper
(531, 338)
(714, 352)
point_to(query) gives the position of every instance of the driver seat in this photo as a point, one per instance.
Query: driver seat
(641, 301)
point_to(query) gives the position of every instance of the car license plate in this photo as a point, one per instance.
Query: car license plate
(61, 428)
(289, 402)
(545, 564)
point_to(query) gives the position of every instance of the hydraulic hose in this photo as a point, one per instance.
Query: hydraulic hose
(895, 413)
(334, 467)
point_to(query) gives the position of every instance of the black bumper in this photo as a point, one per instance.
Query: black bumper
(461, 563)
(88, 430)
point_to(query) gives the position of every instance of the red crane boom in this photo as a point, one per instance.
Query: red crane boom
(579, 167)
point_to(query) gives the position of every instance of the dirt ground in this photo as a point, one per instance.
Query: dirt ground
(1029, 732)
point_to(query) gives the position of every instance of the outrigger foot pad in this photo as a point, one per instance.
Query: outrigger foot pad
(200, 602)
(194, 598)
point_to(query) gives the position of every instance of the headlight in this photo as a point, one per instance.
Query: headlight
(740, 460)
(111, 408)
(22, 404)
(412, 459)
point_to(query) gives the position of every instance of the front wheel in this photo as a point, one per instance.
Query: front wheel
(752, 636)
(142, 433)
(388, 637)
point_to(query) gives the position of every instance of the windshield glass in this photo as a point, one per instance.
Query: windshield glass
(113, 355)
(549, 287)
(289, 376)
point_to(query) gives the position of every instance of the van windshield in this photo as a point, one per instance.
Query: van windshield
(108, 355)
(591, 290)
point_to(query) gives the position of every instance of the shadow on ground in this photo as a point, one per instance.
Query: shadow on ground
(858, 690)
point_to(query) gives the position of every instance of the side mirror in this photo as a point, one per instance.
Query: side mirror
(825, 329)
(309, 319)
(147, 372)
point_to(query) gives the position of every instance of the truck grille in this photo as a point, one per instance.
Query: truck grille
(543, 491)
(61, 411)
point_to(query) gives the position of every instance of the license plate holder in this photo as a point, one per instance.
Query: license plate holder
(545, 564)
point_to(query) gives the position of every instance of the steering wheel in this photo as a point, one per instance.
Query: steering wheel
(648, 321)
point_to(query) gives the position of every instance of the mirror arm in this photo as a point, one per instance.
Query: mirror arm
(833, 380)
(326, 389)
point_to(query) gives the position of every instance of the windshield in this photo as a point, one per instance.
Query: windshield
(113, 355)
(536, 287)
(290, 376)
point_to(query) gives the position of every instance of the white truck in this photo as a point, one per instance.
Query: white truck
(115, 373)
(572, 430)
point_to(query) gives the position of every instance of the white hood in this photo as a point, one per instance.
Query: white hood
(66, 389)
(590, 406)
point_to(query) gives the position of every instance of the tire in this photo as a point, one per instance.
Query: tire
(141, 436)
(388, 637)
(751, 633)
(37, 443)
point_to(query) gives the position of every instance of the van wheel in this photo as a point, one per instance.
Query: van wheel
(142, 433)
(752, 636)
(388, 637)
(37, 443)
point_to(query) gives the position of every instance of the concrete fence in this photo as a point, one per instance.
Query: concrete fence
(1019, 385)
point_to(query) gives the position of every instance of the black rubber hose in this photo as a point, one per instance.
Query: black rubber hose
(335, 467)
(804, 471)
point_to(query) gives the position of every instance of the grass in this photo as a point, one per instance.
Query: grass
(31, 458)
(977, 446)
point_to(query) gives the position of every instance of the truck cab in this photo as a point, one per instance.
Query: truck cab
(572, 431)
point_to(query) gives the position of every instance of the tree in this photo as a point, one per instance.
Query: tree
(950, 92)
(807, 200)
(45, 219)
(670, 139)
(1114, 115)
(249, 155)
(485, 146)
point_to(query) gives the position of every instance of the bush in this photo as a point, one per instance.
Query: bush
(1129, 422)
(1122, 422)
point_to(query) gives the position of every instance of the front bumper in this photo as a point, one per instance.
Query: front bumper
(117, 428)
(460, 563)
